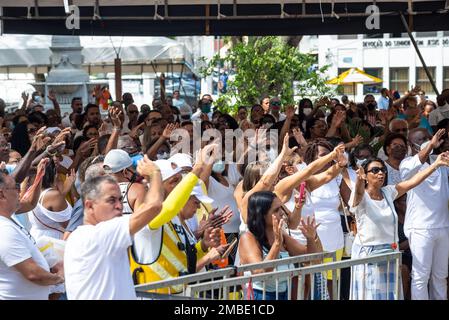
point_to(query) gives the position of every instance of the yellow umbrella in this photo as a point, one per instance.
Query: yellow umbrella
(354, 76)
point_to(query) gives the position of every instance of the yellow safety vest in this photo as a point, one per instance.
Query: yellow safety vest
(170, 263)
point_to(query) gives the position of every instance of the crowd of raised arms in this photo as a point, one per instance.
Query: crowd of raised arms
(96, 201)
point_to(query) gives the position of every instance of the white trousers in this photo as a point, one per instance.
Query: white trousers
(430, 252)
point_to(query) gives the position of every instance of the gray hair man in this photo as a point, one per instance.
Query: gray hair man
(96, 254)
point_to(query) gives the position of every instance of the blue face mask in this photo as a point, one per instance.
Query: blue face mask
(10, 168)
(136, 158)
(218, 167)
(205, 108)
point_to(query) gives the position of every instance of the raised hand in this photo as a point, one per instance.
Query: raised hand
(115, 117)
(278, 230)
(135, 132)
(102, 130)
(207, 155)
(286, 151)
(41, 166)
(415, 90)
(308, 228)
(52, 96)
(339, 118)
(40, 140)
(338, 150)
(212, 237)
(443, 159)
(341, 159)
(87, 146)
(146, 167)
(290, 112)
(361, 175)
(62, 135)
(25, 97)
(217, 220)
(217, 253)
(324, 101)
(358, 139)
(299, 137)
(438, 138)
(70, 178)
(169, 128)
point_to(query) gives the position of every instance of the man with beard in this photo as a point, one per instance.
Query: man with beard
(77, 109)
(427, 219)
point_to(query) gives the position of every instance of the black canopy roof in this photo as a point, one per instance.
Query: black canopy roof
(237, 17)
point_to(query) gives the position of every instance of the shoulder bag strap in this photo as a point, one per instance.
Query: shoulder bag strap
(62, 230)
(393, 210)
(345, 213)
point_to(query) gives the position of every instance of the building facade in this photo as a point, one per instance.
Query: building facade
(390, 57)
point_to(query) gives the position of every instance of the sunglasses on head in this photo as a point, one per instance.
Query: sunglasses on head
(376, 170)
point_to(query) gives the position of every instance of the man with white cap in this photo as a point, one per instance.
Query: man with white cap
(183, 161)
(119, 164)
(167, 248)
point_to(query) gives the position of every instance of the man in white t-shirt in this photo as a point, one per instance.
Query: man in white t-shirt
(427, 222)
(24, 272)
(96, 253)
(442, 112)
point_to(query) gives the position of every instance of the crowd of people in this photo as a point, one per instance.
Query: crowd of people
(136, 194)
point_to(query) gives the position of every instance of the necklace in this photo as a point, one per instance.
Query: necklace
(375, 197)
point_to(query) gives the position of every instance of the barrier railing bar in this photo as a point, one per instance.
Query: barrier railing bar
(293, 272)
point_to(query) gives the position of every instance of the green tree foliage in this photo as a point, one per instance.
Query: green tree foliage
(267, 66)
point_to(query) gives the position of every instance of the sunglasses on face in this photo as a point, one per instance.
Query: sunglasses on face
(276, 104)
(400, 130)
(376, 170)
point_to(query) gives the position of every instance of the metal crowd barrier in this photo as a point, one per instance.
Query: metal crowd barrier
(198, 290)
(142, 290)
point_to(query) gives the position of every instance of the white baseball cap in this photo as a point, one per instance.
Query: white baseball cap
(116, 160)
(199, 194)
(182, 160)
(168, 168)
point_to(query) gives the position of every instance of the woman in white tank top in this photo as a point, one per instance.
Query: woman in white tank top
(52, 212)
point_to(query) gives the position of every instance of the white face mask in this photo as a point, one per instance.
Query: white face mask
(163, 156)
(307, 111)
(218, 167)
(359, 162)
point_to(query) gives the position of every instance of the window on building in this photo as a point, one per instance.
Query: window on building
(446, 78)
(347, 89)
(399, 79)
(423, 81)
(373, 88)
(399, 35)
(428, 34)
(373, 36)
(347, 36)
